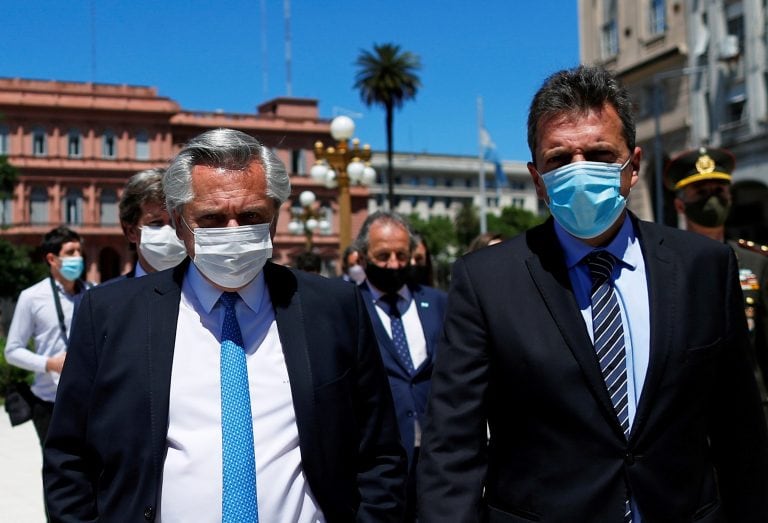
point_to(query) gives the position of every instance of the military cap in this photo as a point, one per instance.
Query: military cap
(704, 163)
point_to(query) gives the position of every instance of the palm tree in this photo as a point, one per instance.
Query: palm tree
(387, 77)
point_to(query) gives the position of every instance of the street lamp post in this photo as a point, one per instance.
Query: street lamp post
(307, 218)
(343, 165)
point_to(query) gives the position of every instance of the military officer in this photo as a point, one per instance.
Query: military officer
(701, 180)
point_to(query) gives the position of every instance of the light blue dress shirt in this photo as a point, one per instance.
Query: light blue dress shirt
(631, 286)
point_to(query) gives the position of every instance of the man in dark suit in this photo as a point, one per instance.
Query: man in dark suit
(607, 356)
(147, 225)
(227, 388)
(407, 320)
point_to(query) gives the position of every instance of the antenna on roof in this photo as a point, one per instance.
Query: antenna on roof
(287, 15)
(264, 54)
(93, 42)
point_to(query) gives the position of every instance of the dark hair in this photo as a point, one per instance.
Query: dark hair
(57, 237)
(142, 187)
(579, 90)
(425, 274)
(345, 257)
(309, 261)
(482, 240)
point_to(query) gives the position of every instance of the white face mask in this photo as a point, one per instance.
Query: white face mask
(232, 256)
(161, 247)
(356, 273)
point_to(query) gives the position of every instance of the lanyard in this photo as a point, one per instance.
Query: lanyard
(59, 312)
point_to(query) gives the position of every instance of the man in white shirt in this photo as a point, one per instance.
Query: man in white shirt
(44, 314)
(407, 319)
(230, 388)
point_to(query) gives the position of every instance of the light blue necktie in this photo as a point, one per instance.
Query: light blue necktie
(238, 500)
(608, 332)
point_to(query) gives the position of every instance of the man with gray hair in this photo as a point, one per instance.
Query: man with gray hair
(230, 388)
(147, 224)
(593, 368)
(407, 319)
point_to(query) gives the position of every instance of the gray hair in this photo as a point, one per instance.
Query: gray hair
(226, 149)
(363, 237)
(142, 187)
(579, 90)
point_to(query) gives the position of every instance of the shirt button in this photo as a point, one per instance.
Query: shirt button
(629, 459)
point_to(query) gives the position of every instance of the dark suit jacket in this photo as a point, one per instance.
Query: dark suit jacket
(517, 354)
(410, 391)
(107, 442)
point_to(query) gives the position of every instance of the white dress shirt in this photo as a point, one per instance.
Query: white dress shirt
(36, 318)
(414, 333)
(192, 476)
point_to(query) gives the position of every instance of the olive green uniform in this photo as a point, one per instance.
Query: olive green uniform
(753, 274)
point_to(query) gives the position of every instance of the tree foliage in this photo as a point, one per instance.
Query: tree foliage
(17, 270)
(513, 221)
(387, 77)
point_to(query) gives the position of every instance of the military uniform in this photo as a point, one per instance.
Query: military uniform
(753, 274)
(705, 164)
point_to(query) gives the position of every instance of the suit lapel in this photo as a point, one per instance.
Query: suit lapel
(382, 338)
(162, 313)
(286, 300)
(662, 272)
(430, 320)
(548, 270)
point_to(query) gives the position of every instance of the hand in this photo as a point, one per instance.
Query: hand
(55, 363)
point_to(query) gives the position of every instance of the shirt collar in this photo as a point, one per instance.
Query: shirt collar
(252, 294)
(623, 246)
(404, 292)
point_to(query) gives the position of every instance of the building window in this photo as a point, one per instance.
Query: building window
(142, 145)
(297, 161)
(74, 144)
(72, 210)
(734, 12)
(38, 206)
(108, 207)
(657, 17)
(39, 142)
(6, 210)
(5, 146)
(610, 30)
(737, 101)
(108, 145)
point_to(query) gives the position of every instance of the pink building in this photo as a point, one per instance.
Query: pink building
(75, 144)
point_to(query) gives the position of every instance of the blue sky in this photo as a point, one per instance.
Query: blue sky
(210, 55)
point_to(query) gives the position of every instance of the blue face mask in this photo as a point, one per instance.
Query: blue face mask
(71, 267)
(585, 197)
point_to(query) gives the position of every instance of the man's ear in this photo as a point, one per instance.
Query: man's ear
(50, 258)
(538, 183)
(679, 206)
(131, 232)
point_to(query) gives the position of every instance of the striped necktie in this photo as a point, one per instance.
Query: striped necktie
(238, 500)
(608, 332)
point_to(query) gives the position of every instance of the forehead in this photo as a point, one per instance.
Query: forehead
(596, 127)
(388, 235)
(215, 187)
(70, 246)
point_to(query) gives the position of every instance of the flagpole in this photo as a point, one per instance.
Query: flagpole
(481, 174)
